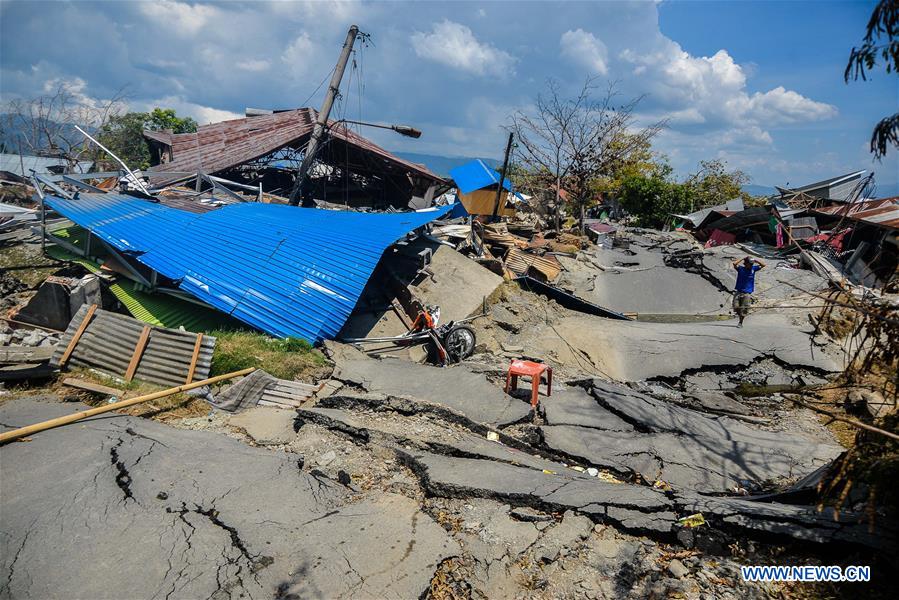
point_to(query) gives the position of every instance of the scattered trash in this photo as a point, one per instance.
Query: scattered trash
(690, 521)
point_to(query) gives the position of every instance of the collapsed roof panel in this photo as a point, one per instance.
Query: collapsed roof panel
(882, 213)
(285, 270)
(220, 146)
(476, 175)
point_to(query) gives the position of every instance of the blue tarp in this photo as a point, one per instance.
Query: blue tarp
(476, 175)
(285, 270)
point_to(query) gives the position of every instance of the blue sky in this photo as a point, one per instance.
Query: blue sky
(758, 84)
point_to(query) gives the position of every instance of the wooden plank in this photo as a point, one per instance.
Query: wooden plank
(78, 333)
(285, 404)
(91, 387)
(296, 385)
(285, 395)
(407, 322)
(138, 352)
(193, 359)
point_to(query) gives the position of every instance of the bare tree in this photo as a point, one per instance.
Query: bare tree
(573, 142)
(44, 125)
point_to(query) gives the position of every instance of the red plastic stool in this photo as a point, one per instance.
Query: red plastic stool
(533, 370)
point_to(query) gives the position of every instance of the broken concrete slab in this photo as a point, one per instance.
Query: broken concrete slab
(635, 351)
(268, 426)
(639, 509)
(637, 280)
(460, 477)
(574, 405)
(58, 299)
(456, 387)
(684, 462)
(452, 281)
(225, 519)
(800, 522)
(437, 438)
(684, 448)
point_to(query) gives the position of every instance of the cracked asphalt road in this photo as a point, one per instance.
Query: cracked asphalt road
(123, 507)
(631, 432)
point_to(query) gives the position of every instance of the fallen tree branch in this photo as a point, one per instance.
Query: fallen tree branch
(836, 417)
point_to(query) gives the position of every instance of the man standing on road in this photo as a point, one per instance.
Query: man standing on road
(746, 270)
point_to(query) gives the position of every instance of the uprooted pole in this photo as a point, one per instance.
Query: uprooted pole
(57, 422)
(322, 120)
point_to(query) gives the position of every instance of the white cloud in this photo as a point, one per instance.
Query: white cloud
(585, 49)
(710, 92)
(253, 65)
(454, 45)
(786, 106)
(80, 104)
(184, 18)
(296, 55)
(202, 114)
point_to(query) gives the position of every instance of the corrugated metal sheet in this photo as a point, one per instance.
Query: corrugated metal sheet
(13, 163)
(476, 175)
(519, 262)
(260, 388)
(285, 270)
(109, 341)
(883, 212)
(219, 146)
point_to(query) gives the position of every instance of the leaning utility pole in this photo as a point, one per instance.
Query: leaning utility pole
(502, 175)
(322, 121)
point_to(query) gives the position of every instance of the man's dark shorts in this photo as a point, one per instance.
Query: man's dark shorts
(742, 303)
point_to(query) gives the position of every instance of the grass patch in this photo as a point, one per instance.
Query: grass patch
(286, 358)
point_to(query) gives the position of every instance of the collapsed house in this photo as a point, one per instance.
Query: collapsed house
(262, 151)
(286, 271)
(16, 168)
(852, 236)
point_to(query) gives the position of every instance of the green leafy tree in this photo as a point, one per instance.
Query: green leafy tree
(713, 184)
(879, 44)
(638, 160)
(123, 134)
(652, 199)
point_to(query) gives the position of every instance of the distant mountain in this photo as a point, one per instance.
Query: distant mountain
(442, 165)
(759, 190)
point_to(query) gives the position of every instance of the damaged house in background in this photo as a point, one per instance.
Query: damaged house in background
(853, 235)
(263, 150)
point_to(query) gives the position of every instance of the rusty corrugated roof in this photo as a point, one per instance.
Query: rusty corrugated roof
(220, 146)
(883, 212)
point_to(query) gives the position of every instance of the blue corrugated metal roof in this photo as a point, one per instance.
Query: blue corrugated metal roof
(285, 270)
(476, 175)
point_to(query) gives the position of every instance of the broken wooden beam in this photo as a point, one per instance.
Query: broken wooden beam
(90, 386)
(138, 352)
(15, 434)
(77, 336)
